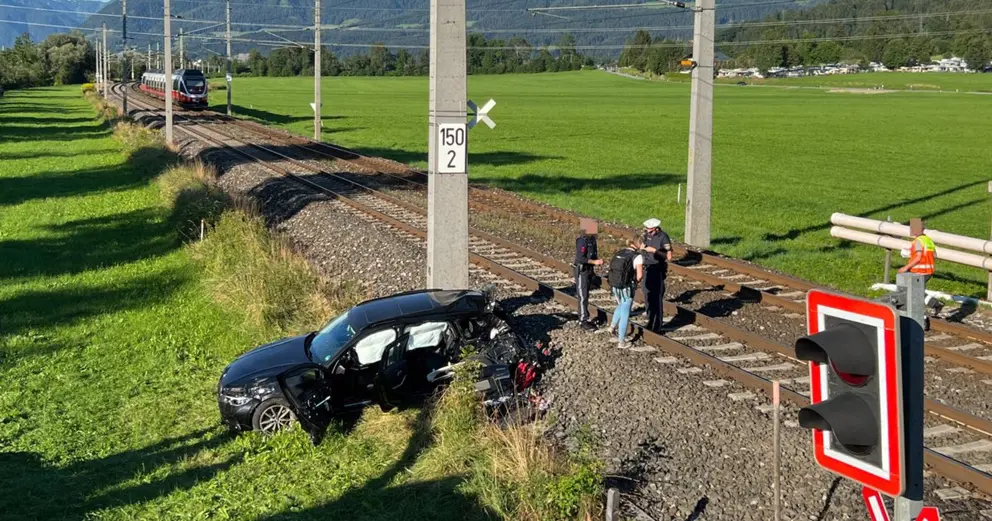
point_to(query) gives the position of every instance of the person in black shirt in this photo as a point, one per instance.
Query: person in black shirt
(586, 257)
(657, 248)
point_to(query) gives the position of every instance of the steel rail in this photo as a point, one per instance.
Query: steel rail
(748, 293)
(944, 465)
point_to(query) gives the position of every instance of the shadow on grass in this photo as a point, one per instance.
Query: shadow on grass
(558, 184)
(271, 117)
(474, 158)
(44, 122)
(41, 309)
(140, 168)
(50, 153)
(35, 489)
(89, 244)
(377, 500)
(794, 233)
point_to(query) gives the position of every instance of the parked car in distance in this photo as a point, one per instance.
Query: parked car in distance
(387, 351)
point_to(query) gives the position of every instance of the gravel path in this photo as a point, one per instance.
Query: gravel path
(682, 444)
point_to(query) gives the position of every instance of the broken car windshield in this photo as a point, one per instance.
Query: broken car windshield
(330, 340)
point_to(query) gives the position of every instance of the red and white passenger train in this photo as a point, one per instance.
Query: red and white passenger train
(189, 87)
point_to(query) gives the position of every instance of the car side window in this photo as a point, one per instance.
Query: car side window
(370, 348)
(396, 354)
(428, 334)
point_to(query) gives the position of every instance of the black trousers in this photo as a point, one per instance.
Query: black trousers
(582, 279)
(653, 286)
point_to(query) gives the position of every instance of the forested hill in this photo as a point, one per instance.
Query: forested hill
(15, 20)
(896, 32)
(404, 23)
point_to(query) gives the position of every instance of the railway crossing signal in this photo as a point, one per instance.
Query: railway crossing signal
(856, 402)
(866, 380)
(481, 115)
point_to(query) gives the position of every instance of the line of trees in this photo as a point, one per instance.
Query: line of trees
(484, 57)
(935, 30)
(60, 59)
(658, 55)
(943, 35)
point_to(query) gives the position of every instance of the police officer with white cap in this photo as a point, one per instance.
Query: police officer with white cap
(657, 249)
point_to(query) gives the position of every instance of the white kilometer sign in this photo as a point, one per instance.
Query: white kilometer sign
(452, 145)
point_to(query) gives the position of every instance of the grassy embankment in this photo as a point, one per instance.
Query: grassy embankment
(616, 148)
(116, 322)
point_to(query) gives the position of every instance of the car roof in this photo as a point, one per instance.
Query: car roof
(416, 304)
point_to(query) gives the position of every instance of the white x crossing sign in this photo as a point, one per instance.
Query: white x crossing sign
(481, 115)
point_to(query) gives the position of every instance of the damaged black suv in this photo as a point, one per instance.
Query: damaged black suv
(387, 351)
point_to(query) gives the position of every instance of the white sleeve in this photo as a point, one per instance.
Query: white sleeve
(638, 261)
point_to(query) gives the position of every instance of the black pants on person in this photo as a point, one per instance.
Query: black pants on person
(653, 286)
(583, 276)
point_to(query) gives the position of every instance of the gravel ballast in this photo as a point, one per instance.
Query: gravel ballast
(679, 444)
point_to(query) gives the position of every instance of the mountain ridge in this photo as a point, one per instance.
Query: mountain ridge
(350, 27)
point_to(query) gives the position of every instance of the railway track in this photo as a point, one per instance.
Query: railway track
(953, 342)
(958, 443)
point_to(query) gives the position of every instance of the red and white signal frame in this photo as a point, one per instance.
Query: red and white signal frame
(889, 477)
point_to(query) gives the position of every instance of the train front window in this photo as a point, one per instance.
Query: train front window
(195, 85)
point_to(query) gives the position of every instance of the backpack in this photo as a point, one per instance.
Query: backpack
(621, 272)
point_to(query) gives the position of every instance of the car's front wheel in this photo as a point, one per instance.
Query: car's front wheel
(272, 415)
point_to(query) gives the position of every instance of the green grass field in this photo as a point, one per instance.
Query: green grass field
(616, 148)
(110, 350)
(926, 81)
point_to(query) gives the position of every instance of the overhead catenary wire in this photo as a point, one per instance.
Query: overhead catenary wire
(267, 27)
(508, 47)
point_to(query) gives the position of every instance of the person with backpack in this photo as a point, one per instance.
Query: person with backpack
(586, 258)
(625, 274)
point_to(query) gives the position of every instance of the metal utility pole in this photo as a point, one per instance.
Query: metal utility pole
(182, 49)
(912, 321)
(697, 212)
(316, 70)
(168, 72)
(447, 187)
(148, 61)
(229, 111)
(124, 79)
(158, 55)
(106, 63)
(99, 65)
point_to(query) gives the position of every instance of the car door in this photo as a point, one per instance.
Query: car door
(394, 375)
(308, 391)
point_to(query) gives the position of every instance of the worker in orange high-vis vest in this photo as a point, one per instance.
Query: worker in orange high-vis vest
(921, 253)
(921, 260)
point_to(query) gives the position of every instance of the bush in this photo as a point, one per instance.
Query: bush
(89, 87)
(516, 472)
(248, 268)
(195, 200)
(135, 137)
(106, 110)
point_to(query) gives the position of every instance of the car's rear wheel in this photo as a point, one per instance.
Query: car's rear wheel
(272, 415)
